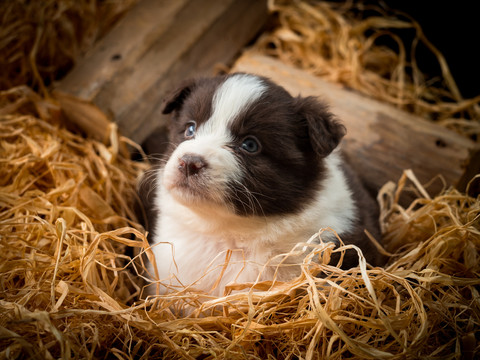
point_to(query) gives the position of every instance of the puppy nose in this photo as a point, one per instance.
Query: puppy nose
(191, 164)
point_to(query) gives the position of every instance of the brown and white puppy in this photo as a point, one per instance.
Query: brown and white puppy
(251, 172)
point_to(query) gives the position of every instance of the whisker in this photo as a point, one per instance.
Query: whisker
(149, 181)
(163, 158)
(251, 197)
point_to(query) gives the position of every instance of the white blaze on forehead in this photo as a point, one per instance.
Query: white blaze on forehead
(230, 99)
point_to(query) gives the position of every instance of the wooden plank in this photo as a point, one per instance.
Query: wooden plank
(381, 140)
(156, 45)
(121, 47)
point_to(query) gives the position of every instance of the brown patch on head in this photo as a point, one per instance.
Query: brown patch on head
(295, 135)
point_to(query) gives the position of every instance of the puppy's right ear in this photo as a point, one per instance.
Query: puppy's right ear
(174, 100)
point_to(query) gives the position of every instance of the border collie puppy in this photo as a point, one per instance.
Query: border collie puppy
(251, 172)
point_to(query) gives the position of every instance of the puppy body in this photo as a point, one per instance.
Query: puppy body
(252, 172)
(201, 237)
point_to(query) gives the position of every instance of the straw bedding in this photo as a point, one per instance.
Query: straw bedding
(72, 274)
(68, 289)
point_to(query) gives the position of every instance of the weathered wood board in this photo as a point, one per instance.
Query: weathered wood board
(156, 45)
(381, 140)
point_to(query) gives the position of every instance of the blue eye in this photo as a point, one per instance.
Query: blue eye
(250, 145)
(190, 129)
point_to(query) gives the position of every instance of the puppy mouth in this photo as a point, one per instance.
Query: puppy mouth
(193, 185)
(190, 181)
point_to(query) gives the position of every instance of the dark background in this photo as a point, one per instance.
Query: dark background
(453, 27)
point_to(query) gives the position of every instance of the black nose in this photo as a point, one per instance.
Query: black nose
(191, 164)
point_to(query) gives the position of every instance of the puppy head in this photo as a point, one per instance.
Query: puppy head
(243, 144)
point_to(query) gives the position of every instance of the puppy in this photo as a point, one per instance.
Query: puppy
(251, 172)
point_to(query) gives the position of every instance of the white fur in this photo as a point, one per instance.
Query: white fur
(191, 245)
(230, 99)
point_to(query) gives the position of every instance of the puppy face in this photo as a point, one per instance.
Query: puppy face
(242, 143)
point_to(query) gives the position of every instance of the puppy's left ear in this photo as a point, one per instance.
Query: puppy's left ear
(324, 131)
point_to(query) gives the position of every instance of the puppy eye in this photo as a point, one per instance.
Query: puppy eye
(190, 129)
(250, 145)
